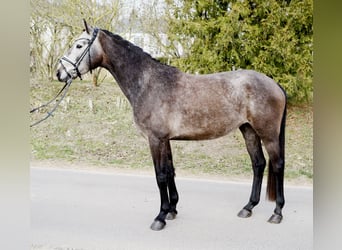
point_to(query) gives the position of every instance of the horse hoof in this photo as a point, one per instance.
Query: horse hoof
(244, 213)
(171, 216)
(275, 219)
(157, 225)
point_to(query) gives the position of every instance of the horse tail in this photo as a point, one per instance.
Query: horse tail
(271, 180)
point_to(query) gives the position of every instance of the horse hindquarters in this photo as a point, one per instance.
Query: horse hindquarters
(269, 127)
(274, 141)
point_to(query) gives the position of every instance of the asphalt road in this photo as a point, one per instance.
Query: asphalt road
(88, 210)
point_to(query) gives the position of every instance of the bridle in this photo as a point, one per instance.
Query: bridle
(68, 82)
(81, 57)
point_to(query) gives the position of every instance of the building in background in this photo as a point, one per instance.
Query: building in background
(135, 27)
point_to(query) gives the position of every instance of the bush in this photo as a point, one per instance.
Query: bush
(273, 37)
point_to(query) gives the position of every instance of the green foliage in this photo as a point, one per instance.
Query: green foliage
(273, 37)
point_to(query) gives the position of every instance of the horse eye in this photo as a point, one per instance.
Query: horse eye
(78, 46)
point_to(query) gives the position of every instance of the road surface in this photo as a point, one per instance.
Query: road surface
(89, 210)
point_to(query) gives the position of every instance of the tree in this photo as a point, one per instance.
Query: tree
(55, 23)
(273, 37)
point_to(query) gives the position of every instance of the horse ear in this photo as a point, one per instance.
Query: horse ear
(86, 26)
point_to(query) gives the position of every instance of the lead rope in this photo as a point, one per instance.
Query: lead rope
(49, 113)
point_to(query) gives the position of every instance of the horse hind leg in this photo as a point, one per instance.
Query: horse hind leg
(254, 149)
(275, 148)
(275, 184)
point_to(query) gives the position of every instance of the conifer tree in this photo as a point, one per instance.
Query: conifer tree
(274, 37)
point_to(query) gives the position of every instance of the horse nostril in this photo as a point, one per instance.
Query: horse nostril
(58, 74)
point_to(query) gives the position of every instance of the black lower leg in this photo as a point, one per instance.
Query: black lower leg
(173, 194)
(254, 149)
(280, 200)
(255, 194)
(164, 198)
(159, 221)
(159, 149)
(258, 172)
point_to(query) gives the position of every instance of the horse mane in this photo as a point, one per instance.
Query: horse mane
(136, 49)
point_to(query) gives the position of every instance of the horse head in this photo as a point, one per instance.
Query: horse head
(83, 56)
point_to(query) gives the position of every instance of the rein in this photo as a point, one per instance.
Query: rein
(68, 83)
(49, 113)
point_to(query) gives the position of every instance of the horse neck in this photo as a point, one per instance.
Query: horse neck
(126, 65)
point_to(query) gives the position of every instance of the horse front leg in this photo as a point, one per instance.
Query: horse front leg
(173, 194)
(160, 159)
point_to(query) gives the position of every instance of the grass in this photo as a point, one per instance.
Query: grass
(94, 125)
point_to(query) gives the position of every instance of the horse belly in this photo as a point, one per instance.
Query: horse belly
(202, 126)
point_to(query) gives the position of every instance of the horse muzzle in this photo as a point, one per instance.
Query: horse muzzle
(63, 76)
